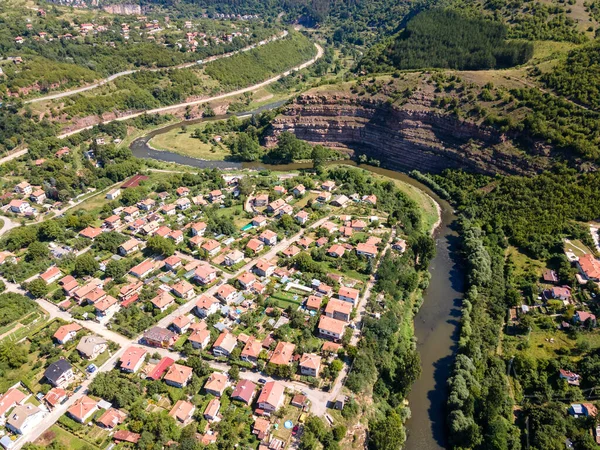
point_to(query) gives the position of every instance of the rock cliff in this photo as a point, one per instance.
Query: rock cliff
(412, 135)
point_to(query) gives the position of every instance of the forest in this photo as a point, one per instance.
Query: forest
(446, 39)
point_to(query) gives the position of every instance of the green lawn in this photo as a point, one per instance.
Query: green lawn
(182, 142)
(58, 434)
(285, 299)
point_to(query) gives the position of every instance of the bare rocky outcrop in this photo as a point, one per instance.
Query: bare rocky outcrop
(413, 135)
(125, 9)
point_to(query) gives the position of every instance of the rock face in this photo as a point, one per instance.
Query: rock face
(410, 136)
(123, 9)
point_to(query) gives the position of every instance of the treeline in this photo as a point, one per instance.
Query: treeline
(247, 68)
(578, 77)
(447, 39)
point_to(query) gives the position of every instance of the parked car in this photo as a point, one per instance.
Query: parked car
(262, 380)
(91, 368)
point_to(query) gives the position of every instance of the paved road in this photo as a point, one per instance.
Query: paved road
(129, 72)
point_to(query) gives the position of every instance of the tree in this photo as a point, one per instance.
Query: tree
(319, 156)
(38, 288)
(86, 264)
(160, 245)
(116, 269)
(245, 147)
(37, 251)
(388, 433)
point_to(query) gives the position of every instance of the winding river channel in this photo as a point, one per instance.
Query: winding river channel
(436, 324)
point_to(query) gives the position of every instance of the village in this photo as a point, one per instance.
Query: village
(202, 290)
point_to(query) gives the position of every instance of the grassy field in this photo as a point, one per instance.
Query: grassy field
(57, 434)
(285, 299)
(577, 247)
(182, 142)
(523, 264)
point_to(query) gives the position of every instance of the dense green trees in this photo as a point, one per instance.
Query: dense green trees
(160, 246)
(14, 306)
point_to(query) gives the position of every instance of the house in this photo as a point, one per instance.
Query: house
(54, 397)
(246, 280)
(212, 409)
(324, 289)
(305, 242)
(199, 339)
(172, 263)
(259, 221)
(280, 190)
(261, 200)
(176, 236)
(302, 217)
(244, 391)
(10, 399)
(205, 274)
(24, 418)
(23, 188)
(59, 373)
(571, 377)
(255, 245)
(163, 301)
(358, 225)
(206, 305)
(113, 194)
(126, 436)
(90, 233)
(336, 251)
(183, 289)
(216, 196)
(38, 196)
(90, 347)
(182, 191)
(588, 266)
(582, 316)
(146, 204)
(338, 309)
(111, 418)
(169, 210)
(328, 185)
(160, 337)
(128, 247)
(370, 199)
(331, 328)
(321, 241)
(271, 397)
(227, 293)
(324, 197)
(291, 251)
(131, 212)
(299, 190)
(130, 290)
(82, 409)
(216, 384)
(583, 409)
(399, 245)
(251, 350)
(310, 364)
(234, 257)
(549, 276)
(276, 205)
(264, 268)
(348, 294)
(151, 228)
(269, 237)
(182, 411)
(159, 369)
(178, 375)
(181, 324)
(224, 344)
(211, 247)
(261, 429)
(299, 401)
(559, 293)
(183, 204)
(283, 354)
(132, 359)
(66, 332)
(285, 210)
(112, 222)
(330, 227)
(143, 269)
(51, 275)
(340, 201)
(313, 303)
(198, 228)
(368, 250)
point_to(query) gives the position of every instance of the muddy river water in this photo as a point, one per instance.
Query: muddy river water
(436, 324)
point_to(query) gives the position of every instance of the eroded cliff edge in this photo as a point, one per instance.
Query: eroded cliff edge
(406, 135)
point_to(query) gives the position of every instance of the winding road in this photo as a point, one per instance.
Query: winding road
(156, 69)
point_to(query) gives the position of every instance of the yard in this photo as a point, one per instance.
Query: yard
(182, 142)
(285, 299)
(67, 439)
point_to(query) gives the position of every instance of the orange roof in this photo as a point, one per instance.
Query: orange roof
(271, 393)
(226, 340)
(255, 245)
(162, 300)
(53, 397)
(199, 336)
(268, 235)
(182, 410)
(64, 330)
(183, 287)
(336, 305)
(131, 357)
(313, 302)
(283, 353)
(349, 292)
(206, 301)
(130, 244)
(311, 361)
(50, 273)
(112, 417)
(143, 267)
(332, 325)
(590, 266)
(330, 347)
(367, 248)
(82, 407)
(247, 278)
(105, 303)
(212, 408)
(205, 271)
(264, 265)
(181, 321)
(252, 348)
(225, 291)
(336, 249)
(291, 251)
(178, 374)
(210, 245)
(9, 399)
(216, 382)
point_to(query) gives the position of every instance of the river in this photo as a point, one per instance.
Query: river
(436, 324)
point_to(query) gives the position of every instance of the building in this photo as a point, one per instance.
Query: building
(111, 418)
(338, 309)
(224, 344)
(90, 347)
(182, 411)
(106, 306)
(181, 324)
(310, 364)
(276, 205)
(571, 377)
(10, 399)
(328, 185)
(582, 316)
(183, 289)
(336, 251)
(251, 350)
(254, 245)
(199, 339)
(264, 268)
(198, 229)
(82, 409)
(211, 247)
(143, 269)
(313, 303)
(173, 262)
(227, 293)
(66, 332)
(259, 221)
(216, 196)
(331, 328)
(178, 375)
(324, 197)
(302, 217)
(368, 250)
(216, 384)
(51, 275)
(299, 190)
(59, 373)
(269, 237)
(113, 194)
(23, 188)
(54, 397)
(159, 369)
(246, 280)
(206, 306)
(160, 337)
(244, 391)
(163, 301)
(271, 397)
(234, 257)
(132, 359)
(24, 418)
(283, 353)
(128, 247)
(205, 274)
(212, 409)
(38, 196)
(261, 200)
(589, 267)
(348, 294)
(112, 222)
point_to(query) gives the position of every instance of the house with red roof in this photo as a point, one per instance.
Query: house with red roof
(244, 391)
(178, 375)
(216, 384)
(82, 409)
(66, 332)
(51, 275)
(182, 411)
(283, 353)
(271, 397)
(132, 359)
